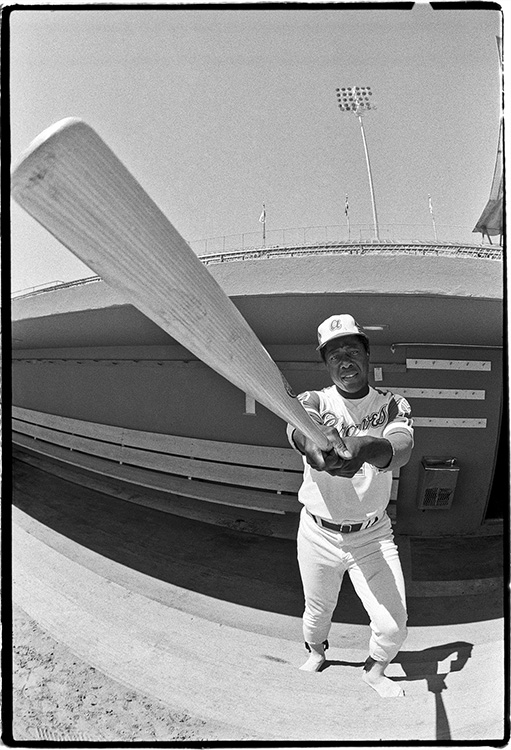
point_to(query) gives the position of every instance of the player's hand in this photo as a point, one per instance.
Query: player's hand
(346, 462)
(330, 459)
(363, 449)
(344, 456)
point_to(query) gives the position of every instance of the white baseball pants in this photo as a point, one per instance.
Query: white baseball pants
(371, 558)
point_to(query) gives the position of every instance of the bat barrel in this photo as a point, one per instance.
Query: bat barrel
(73, 184)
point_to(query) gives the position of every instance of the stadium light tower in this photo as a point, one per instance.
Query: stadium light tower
(357, 100)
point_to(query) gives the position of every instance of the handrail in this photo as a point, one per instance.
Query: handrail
(359, 248)
(320, 234)
(51, 286)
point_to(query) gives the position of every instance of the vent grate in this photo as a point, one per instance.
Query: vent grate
(437, 497)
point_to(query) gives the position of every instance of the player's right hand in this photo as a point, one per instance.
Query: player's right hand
(330, 459)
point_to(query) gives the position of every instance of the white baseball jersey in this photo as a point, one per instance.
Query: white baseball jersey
(366, 494)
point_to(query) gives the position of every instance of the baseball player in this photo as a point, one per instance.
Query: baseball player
(344, 525)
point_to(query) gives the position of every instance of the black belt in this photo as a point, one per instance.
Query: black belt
(347, 528)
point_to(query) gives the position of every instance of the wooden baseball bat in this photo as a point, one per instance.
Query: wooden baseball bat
(72, 183)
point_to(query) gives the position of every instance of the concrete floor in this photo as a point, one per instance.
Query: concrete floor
(207, 620)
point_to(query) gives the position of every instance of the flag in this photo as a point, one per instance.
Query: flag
(491, 221)
(499, 48)
(262, 218)
(346, 206)
(430, 205)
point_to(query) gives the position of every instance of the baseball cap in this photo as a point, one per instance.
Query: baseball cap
(336, 326)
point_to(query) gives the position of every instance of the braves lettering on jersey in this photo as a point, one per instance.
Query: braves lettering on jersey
(366, 494)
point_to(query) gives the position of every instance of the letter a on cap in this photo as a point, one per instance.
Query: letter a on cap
(336, 324)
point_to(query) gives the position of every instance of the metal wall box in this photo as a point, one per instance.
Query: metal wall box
(437, 483)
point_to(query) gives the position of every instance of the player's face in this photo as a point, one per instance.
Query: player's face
(347, 362)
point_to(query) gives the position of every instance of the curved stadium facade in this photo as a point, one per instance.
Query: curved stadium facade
(102, 395)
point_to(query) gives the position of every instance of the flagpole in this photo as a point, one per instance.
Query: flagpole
(347, 214)
(262, 219)
(432, 217)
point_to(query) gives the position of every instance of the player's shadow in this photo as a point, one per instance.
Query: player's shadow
(433, 665)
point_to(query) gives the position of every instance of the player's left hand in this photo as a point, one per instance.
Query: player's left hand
(347, 461)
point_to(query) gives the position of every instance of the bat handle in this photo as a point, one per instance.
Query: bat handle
(314, 432)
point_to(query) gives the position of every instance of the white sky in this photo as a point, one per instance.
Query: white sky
(218, 111)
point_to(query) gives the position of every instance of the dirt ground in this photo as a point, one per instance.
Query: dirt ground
(58, 697)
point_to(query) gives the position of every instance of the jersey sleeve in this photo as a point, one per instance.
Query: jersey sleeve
(399, 432)
(400, 416)
(311, 402)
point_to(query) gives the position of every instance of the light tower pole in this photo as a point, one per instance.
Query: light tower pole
(357, 100)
